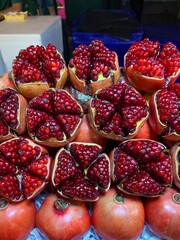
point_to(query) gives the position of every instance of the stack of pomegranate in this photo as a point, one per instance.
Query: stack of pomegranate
(118, 156)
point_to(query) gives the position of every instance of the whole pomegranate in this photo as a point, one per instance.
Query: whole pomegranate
(118, 216)
(141, 167)
(81, 171)
(53, 118)
(149, 68)
(12, 114)
(17, 219)
(164, 107)
(93, 67)
(62, 219)
(162, 214)
(87, 134)
(24, 169)
(118, 112)
(38, 68)
(6, 81)
(175, 156)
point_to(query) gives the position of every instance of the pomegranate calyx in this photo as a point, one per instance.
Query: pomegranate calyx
(176, 198)
(3, 203)
(61, 204)
(119, 198)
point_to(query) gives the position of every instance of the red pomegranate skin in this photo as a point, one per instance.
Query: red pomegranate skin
(63, 224)
(123, 220)
(162, 214)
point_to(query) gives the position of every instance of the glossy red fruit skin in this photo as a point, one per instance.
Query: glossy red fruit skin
(17, 220)
(175, 156)
(6, 81)
(118, 221)
(162, 214)
(71, 223)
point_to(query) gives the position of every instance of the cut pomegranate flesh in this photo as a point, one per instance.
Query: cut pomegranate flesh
(81, 171)
(24, 169)
(141, 167)
(118, 112)
(53, 118)
(92, 67)
(38, 63)
(164, 112)
(150, 67)
(12, 113)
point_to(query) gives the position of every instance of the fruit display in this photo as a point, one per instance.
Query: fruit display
(93, 67)
(149, 66)
(37, 68)
(94, 146)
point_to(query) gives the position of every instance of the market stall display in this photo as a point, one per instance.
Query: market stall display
(46, 159)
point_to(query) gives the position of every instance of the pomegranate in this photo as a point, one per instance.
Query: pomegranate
(12, 114)
(149, 68)
(141, 167)
(38, 68)
(53, 118)
(87, 134)
(118, 216)
(81, 171)
(146, 132)
(175, 155)
(24, 169)
(118, 112)
(6, 81)
(62, 219)
(162, 214)
(164, 112)
(93, 67)
(17, 219)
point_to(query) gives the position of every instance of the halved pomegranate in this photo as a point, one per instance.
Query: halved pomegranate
(12, 114)
(53, 118)
(164, 118)
(93, 67)
(24, 169)
(81, 171)
(141, 167)
(38, 68)
(149, 68)
(175, 155)
(118, 112)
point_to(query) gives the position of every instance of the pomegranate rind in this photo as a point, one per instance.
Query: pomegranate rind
(33, 89)
(19, 174)
(142, 82)
(102, 82)
(141, 167)
(175, 156)
(6, 81)
(95, 188)
(23, 105)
